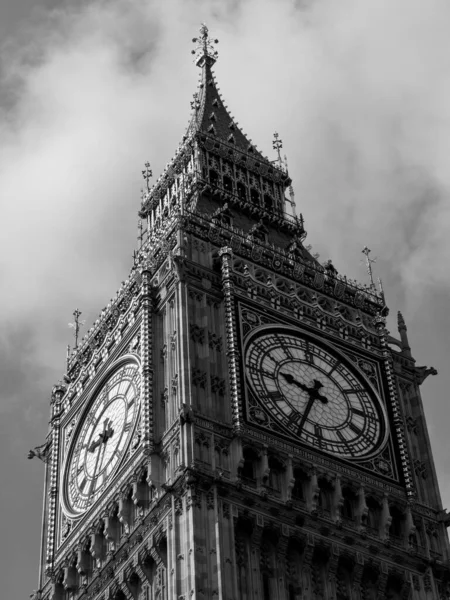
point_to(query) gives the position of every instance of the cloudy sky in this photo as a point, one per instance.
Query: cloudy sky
(359, 91)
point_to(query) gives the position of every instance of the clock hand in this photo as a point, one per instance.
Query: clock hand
(103, 437)
(95, 471)
(290, 379)
(314, 391)
(305, 414)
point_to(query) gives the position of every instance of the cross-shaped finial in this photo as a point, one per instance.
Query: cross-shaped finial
(76, 325)
(205, 51)
(369, 262)
(277, 144)
(147, 174)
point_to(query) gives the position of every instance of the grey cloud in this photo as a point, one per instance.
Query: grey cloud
(359, 92)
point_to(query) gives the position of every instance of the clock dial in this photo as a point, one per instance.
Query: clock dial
(313, 393)
(102, 438)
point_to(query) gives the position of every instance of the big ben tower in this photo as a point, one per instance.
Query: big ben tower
(238, 424)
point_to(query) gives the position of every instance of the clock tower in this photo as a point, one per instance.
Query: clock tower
(238, 424)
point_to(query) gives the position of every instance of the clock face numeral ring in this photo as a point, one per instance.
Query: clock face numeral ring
(312, 393)
(102, 438)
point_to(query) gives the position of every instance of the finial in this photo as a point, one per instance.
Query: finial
(277, 144)
(76, 325)
(147, 173)
(205, 52)
(68, 356)
(369, 262)
(406, 348)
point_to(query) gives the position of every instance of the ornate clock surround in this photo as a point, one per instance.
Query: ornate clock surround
(385, 462)
(123, 361)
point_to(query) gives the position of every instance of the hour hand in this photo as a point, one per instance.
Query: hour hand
(290, 379)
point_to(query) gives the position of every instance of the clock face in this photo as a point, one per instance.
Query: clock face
(102, 438)
(313, 393)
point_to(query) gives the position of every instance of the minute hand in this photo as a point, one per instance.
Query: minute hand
(305, 413)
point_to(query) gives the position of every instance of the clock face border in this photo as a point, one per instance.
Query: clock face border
(335, 351)
(89, 402)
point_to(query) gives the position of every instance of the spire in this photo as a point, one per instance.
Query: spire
(210, 113)
(403, 334)
(212, 126)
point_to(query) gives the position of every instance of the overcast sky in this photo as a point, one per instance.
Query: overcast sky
(359, 91)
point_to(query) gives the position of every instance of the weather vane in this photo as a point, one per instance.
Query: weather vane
(369, 262)
(205, 48)
(277, 144)
(76, 325)
(147, 174)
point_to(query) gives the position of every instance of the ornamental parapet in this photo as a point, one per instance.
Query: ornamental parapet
(310, 273)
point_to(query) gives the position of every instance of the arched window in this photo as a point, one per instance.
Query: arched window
(248, 472)
(394, 587)
(325, 494)
(213, 178)
(374, 514)
(344, 578)
(243, 533)
(254, 196)
(268, 203)
(294, 568)
(301, 480)
(396, 528)
(348, 507)
(241, 191)
(369, 583)
(227, 184)
(275, 473)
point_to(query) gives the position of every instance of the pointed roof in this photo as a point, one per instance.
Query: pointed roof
(211, 114)
(210, 119)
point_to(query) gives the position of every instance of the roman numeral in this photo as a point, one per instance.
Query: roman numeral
(335, 366)
(344, 441)
(131, 402)
(285, 347)
(318, 434)
(309, 357)
(127, 427)
(118, 452)
(83, 484)
(260, 371)
(361, 413)
(294, 417)
(276, 397)
(355, 428)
